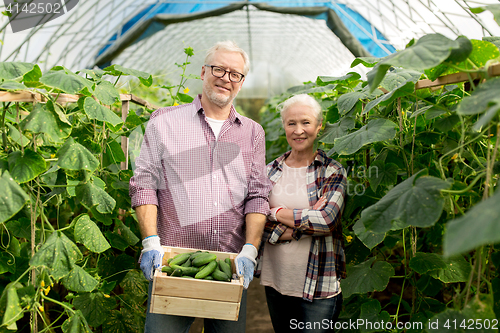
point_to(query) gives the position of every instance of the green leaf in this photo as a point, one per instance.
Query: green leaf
(462, 236)
(134, 282)
(76, 324)
(57, 110)
(424, 262)
(447, 123)
(58, 254)
(106, 92)
(122, 322)
(349, 77)
(376, 130)
(12, 85)
(126, 233)
(27, 166)
(116, 70)
(367, 277)
(399, 83)
(370, 313)
(346, 102)
(10, 307)
(94, 110)
(429, 51)
(365, 61)
(414, 202)
(189, 51)
(368, 237)
(43, 120)
(12, 199)
(184, 98)
(15, 70)
(116, 240)
(20, 228)
(493, 40)
(456, 270)
(485, 95)
(79, 280)
(94, 306)
(495, 10)
(113, 153)
(67, 81)
(90, 195)
(16, 136)
(96, 74)
(486, 117)
(480, 307)
(89, 234)
(385, 174)
(462, 51)
(337, 130)
(74, 156)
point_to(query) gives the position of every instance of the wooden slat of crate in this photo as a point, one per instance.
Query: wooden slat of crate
(198, 308)
(200, 289)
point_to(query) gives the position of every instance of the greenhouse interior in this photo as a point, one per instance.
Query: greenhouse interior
(408, 92)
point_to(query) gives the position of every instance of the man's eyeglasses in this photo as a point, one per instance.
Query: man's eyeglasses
(220, 72)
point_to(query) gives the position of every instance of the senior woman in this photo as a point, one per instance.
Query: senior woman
(302, 256)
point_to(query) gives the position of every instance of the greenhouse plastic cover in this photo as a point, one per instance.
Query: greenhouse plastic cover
(288, 42)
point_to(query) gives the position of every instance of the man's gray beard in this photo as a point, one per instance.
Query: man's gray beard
(219, 101)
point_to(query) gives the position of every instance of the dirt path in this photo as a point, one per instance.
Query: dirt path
(258, 320)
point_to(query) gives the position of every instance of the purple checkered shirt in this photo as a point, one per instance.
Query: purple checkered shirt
(326, 264)
(203, 186)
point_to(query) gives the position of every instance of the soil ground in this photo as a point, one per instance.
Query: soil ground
(258, 320)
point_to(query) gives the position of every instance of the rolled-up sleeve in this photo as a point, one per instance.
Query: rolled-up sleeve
(259, 185)
(325, 220)
(148, 175)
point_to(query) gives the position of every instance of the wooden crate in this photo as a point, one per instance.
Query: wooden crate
(196, 298)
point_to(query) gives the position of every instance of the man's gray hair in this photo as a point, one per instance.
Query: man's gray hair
(229, 46)
(302, 99)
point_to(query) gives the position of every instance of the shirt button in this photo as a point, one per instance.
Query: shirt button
(215, 203)
(215, 177)
(215, 231)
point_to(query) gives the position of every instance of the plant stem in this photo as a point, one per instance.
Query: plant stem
(400, 114)
(468, 188)
(2, 126)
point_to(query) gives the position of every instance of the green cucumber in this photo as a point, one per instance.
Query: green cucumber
(204, 259)
(167, 269)
(176, 272)
(207, 270)
(187, 276)
(191, 271)
(187, 263)
(220, 275)
(225, 268)
(180, 258)
(209, 278)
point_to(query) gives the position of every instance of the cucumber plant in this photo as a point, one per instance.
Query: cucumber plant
(69, 239)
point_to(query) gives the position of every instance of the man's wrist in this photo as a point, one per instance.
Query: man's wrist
(151, 242)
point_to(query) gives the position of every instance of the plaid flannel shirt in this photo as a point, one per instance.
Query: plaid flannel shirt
(326, 264)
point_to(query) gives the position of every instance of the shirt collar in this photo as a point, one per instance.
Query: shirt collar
(234, 116)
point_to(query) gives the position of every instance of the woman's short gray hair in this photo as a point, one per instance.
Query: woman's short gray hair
(230, 46)
(303, 99)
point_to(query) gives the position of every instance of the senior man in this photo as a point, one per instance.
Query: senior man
(200, 181)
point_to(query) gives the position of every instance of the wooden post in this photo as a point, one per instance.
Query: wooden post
(125, 107)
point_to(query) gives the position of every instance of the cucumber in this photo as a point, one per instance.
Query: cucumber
(209, 277)
(225, 268)
(187, 263)
(187, 276)
(207, 270)
(180, 258)
(194, 255)
(204, 259)
(220, 276)
(176, 272)
(191, 271)
(167, 269)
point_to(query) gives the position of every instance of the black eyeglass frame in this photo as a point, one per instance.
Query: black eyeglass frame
(229, 73)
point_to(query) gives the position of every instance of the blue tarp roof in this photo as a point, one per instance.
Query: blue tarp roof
(368, 36)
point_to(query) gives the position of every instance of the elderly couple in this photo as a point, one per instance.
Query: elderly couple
(201, 182)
